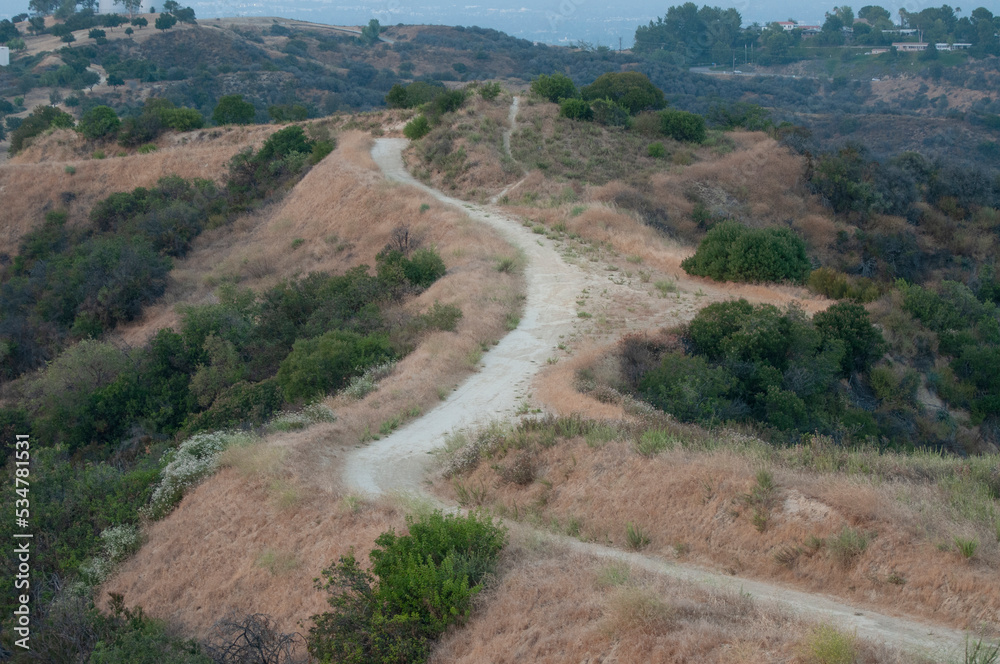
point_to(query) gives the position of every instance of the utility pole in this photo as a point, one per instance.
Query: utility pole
(619, 44)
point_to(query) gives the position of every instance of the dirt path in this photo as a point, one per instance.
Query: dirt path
(511, 126)
(398, 463)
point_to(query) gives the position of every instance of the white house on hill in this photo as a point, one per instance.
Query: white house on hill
(4, 56)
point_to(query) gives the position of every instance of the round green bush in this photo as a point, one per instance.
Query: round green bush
(417, 128)
(575, 109)
(733, 252)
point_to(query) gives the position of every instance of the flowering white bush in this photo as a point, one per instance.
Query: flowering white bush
(362, 385)
(118, 543)
(195, 458)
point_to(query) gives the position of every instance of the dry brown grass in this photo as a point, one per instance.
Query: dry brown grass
(692, 505)
(555, 606)
(477, 129)
(236, 541)
(36, 180)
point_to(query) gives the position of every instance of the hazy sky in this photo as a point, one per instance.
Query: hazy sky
(553, 21)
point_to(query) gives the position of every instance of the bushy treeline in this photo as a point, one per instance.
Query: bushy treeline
(967, 331)
(70, 283)
(741, 362)
(614, 99)
(418, 585)
(856, 184)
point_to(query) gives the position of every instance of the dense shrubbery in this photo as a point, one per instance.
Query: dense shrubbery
(41, 119)
(419, 585)
(759, 363)
(631, 90)
(839, 286)
(968, 332)
(83, 281)
(733, 252)
(415, 94)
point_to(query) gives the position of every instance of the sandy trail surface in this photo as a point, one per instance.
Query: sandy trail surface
(400, 461)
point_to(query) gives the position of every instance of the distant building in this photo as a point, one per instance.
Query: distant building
(900, 31)
(4, 56)
(787, 26)
(952, 47)
(904, 47)
(112, 7)
(876, 51)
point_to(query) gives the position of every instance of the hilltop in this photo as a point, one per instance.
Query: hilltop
(296, 286)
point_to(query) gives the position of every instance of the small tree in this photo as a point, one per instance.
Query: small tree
(232, 109)
(68, 38)
(554, 88)
(682, 126)
(99, 122)
(370, 33)
(129, 31)
(114, 80)
(165, 21)
(96, 33)
(140, 22)
(575, 109)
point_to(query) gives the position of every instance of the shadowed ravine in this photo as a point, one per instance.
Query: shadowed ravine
(399, 462)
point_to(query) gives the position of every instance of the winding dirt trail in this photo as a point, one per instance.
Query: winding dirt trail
(399, 462)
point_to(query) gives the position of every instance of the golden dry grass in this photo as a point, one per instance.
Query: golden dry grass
(35, 181)
(237, 541)
(551, 605)
(691, 506)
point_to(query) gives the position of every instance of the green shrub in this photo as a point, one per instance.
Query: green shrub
(419, 584)
(182, 119)
(683, 126)
(320, 150)
(827, 645)
(839, 286)
(99, 122)
(554, 88)
(232, 109)
(609, 113)
(575, 109)
(635, 538)
(631, 90)
(417, 128)
(241, 405)
(847, 545)
(733, 252)
(442, 316)
(414, 94)
(424, 267)
(490, 91)
(849, 323)
(323, 364)
(656, 150)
